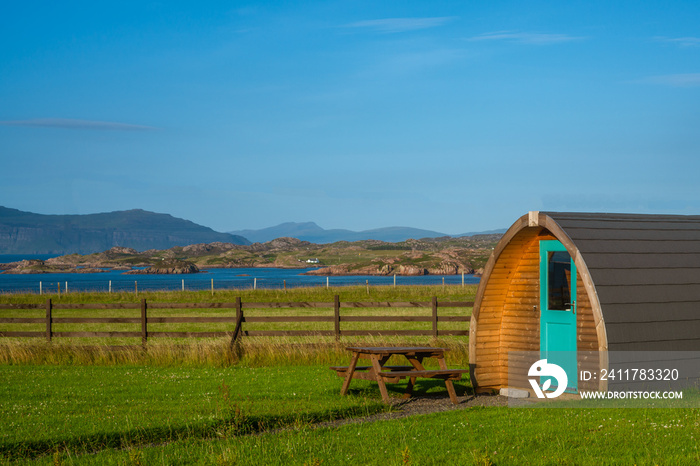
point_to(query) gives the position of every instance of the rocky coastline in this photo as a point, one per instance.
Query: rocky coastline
(433, 256)
(169, 270)
(387, 270)
(40, 266)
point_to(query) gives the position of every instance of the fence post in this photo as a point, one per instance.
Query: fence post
(239, 321)
(336, 316)
(435, 317)
(144, 327)
(49, 307)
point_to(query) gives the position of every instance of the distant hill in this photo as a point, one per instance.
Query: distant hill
(499, 231)
(309, 231)
(29, 233)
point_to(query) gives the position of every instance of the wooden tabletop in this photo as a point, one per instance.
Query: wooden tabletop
(394, 349)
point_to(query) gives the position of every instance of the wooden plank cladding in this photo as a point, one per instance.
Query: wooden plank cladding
(237, 324)
(506, 308)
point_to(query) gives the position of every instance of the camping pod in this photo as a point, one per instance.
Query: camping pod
(586, 282)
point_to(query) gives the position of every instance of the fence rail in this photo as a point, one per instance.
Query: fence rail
(238, 319)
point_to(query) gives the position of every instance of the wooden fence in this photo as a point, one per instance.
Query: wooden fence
(238, 319)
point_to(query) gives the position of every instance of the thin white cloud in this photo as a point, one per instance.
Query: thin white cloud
(68, 123)
(414, 61)
(394, 25)
(525, 37)
(675, 80)
(680, 41)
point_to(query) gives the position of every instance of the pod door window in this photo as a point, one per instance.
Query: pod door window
(558, 281)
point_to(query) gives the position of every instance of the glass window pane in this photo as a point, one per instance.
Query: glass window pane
(559, 281)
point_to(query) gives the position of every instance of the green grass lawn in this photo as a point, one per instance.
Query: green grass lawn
(88, 408)
(265, 415)
(320, 293)
(480, 436)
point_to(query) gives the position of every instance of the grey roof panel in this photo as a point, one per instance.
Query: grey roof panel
(602, 216)
(664, 345)
(632, 234)
(647, 276)
(661, 225)
(629, 260)
(632, 312)
(649, 294)
(654, 331)
(653, 246)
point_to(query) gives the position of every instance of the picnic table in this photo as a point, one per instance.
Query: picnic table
(382, 374)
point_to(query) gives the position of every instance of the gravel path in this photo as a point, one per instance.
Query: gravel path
(422, 405)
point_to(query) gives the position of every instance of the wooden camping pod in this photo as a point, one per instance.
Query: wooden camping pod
(638, 285)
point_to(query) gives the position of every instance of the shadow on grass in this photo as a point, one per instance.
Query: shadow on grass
(422, 387)
(235, 423)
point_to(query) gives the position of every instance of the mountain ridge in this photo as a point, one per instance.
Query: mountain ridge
(30, 233)
(313, 233)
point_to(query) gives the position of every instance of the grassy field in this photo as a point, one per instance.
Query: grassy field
(479, 436)
(241, 415)
(346, 293)
(89, 408)
(196, 402)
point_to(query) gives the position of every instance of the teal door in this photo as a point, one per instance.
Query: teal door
(558, 309)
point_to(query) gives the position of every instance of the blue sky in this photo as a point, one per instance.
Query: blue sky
(450, 116)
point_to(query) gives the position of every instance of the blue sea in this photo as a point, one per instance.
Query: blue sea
(7, 258)
(245, 278)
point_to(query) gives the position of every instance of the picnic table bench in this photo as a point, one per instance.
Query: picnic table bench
(382, 374)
